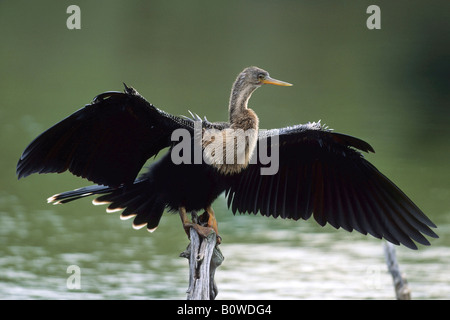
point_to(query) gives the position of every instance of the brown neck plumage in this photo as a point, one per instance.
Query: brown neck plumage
(240, 94)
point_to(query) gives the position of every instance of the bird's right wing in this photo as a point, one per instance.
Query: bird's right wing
(106, 142)
(322, 173)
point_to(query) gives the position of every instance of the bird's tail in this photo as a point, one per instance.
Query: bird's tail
(138, 200)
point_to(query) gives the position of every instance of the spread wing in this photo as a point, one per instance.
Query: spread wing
(321, 173)
(106, 142)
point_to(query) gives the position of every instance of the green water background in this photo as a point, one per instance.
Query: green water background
(389, 87)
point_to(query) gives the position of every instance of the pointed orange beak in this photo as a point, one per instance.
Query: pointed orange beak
(276, 82)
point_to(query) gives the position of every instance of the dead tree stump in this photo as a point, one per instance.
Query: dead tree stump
(204, 257)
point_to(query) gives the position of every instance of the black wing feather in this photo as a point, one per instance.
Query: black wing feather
(322, 173)
(107, 141)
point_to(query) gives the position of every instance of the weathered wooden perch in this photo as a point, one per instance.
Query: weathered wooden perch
(402, 290)
(204, 257)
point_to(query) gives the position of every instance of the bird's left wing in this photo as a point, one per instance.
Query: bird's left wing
(106, 142)
(322, 173)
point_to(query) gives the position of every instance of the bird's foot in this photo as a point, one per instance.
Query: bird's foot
(204, 224)
(208, 219)
(203, 231)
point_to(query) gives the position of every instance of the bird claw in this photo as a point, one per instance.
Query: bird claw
(211, 222)
(203, 231)
(203, 225)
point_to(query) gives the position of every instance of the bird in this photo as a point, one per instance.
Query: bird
(314, 172)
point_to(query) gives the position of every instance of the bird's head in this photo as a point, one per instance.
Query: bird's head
(246, 83)
(256, 77)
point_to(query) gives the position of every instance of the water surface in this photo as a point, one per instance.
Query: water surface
(388, 87)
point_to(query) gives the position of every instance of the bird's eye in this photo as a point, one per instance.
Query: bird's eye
(261, 76)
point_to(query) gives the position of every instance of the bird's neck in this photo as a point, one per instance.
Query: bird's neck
(239, 97)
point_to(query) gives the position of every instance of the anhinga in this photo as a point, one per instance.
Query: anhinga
(320, 172)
